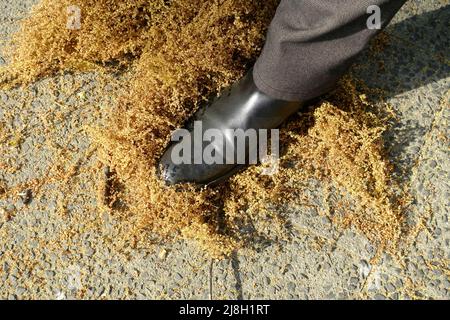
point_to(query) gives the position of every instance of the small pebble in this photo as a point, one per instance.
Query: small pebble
(390, 287)
(50, 273)
(162, 254)
(89, 251)
(20, 291)
(5, 267)
(354, 282)
(26, 196)
(379, 297)
(291, 286)
(178, 276)
(330, 296)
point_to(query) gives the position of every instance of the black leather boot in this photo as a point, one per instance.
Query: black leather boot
(242, 106)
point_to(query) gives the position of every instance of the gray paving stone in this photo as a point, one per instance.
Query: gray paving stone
(427, 30)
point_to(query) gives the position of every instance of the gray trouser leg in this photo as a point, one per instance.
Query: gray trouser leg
(311, 43)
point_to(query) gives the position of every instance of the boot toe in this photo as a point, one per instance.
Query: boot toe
(202, 174)
(170, 172)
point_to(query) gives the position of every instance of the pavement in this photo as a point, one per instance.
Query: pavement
(54, 251)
